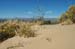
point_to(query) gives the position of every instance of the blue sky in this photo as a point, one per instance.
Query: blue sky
(28, 8)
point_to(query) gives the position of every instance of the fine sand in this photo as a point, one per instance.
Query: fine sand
(49, 37)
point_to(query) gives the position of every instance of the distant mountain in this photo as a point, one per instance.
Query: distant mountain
(53, 20)
(2, 20)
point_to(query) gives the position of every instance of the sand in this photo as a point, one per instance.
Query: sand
(49, 37)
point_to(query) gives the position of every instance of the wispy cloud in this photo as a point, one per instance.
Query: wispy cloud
(28, 12)
(49, 12)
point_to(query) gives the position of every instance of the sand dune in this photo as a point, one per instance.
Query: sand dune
(49, 37)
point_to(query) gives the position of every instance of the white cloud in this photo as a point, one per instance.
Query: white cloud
(28, 12)
(49, 12)
(50, 16)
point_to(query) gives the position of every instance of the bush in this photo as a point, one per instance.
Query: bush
(67, 22)
(9, 29)
(46, 22)
(68, 16)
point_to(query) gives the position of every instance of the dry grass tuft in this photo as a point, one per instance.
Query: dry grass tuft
(12, 28)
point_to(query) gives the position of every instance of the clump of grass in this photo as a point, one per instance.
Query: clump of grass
(67, 22)
(11, 28)
(15, 46)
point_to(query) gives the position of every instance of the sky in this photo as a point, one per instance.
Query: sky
(29, 8)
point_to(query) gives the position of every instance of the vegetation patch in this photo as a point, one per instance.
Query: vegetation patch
(69, 16)
(11, 28)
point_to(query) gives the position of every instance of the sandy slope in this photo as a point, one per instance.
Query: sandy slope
(49, 37)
